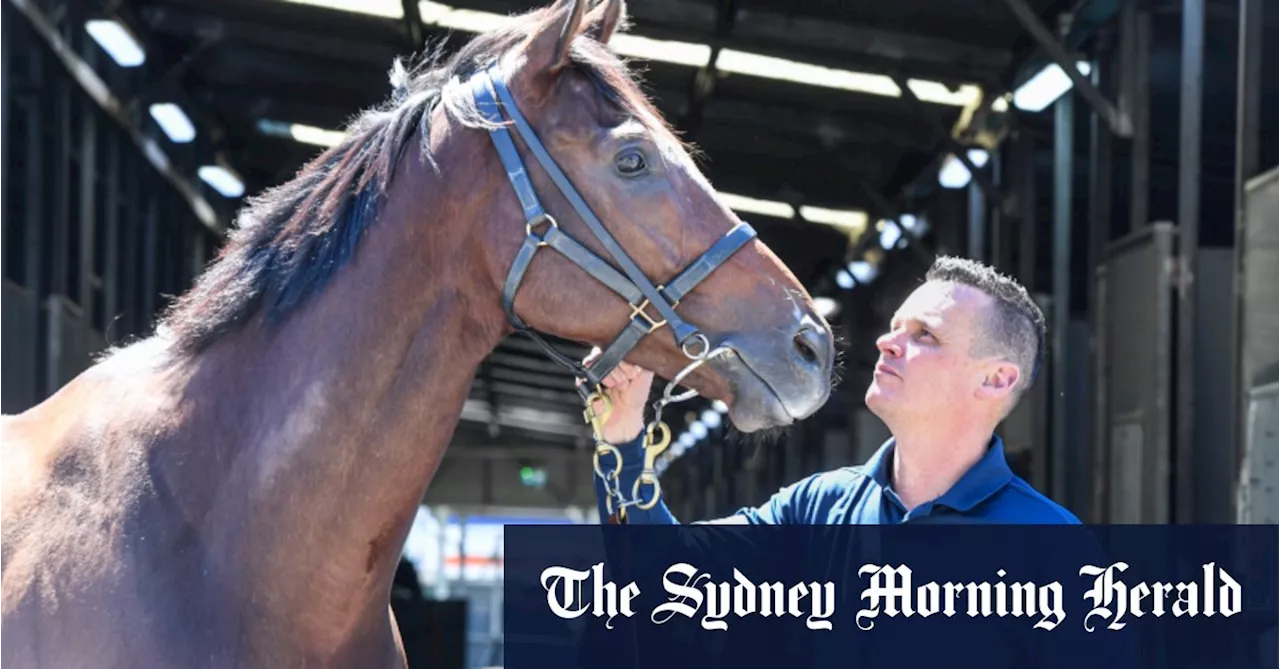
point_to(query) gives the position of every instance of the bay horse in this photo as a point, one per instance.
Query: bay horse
(236, 489)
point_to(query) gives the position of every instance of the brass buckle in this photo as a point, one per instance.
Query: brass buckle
(638, 311)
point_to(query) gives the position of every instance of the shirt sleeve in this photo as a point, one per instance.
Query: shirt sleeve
(808, 501)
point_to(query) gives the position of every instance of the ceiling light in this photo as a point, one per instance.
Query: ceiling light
(752, 205)
(741, 62)
(938, 93)
(844, 279)
(698, 55)
(306, 134)
(954, 174)
(1046, 86)
(391, 9)
(680, 53)
(863, 271)
(452, 18)
(222, 179)
(309, 134)
(890, 235)
(117, 41)
(826, 306)
(173, 121)
(852, 220)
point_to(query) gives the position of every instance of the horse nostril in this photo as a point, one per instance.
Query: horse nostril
(806, 347)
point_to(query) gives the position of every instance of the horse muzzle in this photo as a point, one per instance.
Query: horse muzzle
(775, 380)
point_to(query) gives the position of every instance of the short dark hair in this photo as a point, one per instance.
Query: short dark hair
(1014, 328)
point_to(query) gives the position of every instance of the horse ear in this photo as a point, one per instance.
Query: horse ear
(548, 49)
(602, 21)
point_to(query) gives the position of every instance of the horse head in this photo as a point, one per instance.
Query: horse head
(609, 234)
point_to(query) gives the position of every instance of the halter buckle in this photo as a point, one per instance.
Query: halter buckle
(639, 311)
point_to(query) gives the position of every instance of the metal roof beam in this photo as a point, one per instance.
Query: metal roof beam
(277, 36)
(984, 180)
(1117, 119)
(967, 61)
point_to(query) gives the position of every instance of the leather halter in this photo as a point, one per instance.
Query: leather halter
(631, 283)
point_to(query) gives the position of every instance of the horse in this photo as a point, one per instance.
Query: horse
(235, 489)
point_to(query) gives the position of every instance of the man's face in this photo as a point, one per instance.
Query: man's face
(926, 368)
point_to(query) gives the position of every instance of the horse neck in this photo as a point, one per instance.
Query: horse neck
(332, 423)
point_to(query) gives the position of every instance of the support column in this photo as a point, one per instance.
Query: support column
(1117, 118)
(1100, 183)
(1135, 38)
(977, 222)
(1063, 165)
(1024, 164)
(1248, 103)
(1191, 108)
(6, 82)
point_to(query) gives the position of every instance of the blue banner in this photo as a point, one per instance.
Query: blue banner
(676, 597)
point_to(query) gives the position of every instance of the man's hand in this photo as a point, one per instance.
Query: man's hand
(628, 387)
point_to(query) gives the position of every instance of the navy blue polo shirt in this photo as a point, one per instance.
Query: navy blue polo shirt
(989, 492)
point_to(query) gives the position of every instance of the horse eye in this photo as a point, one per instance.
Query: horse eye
(630, 163)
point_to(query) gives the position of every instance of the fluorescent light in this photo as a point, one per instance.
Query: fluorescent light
(309, 134)
(953, 173)
(863, 271)
(890, 235)
(391, 9)
(222, 180)
(938, 93)
(173, 121)
(844, 279)
(826, 306)
(452, 18)
(203, 211)
(755, 206)
(769, 67)
(1046, 86)
(852, 220)
(741, 62)
(306, 134)
(680, 53)
(698, 55)
(117, 41)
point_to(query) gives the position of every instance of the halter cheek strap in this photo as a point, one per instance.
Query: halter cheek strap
(494, 101)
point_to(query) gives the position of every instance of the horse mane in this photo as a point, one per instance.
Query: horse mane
(288, 242)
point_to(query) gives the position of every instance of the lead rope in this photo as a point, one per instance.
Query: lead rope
(657, 437)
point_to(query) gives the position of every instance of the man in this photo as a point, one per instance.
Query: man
(959, 354)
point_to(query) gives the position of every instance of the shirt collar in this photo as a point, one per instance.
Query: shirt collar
(984, 478)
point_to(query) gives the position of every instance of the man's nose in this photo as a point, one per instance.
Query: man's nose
(888, 344)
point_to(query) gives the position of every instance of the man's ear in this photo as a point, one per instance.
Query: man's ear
(1000, 381)
(604, 20)
(548, 48)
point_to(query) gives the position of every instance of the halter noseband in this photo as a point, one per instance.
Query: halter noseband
(543, 231)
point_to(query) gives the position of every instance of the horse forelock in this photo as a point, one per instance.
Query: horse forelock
(288, 242)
